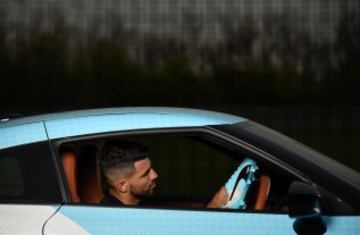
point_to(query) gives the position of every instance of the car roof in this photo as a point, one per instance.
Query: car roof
(207, 117)
(65, 124)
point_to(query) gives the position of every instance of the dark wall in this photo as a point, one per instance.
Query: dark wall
(280, 55)
(178, 53)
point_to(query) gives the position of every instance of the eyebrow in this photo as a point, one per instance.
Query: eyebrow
(146, 172)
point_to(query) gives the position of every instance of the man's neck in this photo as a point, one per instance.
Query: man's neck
(125, 198)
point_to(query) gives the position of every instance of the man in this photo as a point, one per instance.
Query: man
(127, 168)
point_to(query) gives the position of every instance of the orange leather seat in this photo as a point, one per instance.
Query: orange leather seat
(69, 162)
(89, 181)
(263, 192)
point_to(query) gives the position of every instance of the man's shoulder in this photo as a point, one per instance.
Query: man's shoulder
(108, 199)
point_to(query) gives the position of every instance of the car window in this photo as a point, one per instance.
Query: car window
(321, 170)
(303, 153)
(187, 167)
(191, 169)
(11, 177)
(196, 168)
(27, 174)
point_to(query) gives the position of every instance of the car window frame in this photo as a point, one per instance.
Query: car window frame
(211, 134)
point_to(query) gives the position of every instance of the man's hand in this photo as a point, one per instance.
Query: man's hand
(237, 185)
(220, 199)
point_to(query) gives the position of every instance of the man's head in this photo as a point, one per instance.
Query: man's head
(128, 170)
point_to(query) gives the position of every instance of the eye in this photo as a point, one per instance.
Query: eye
(146, 173)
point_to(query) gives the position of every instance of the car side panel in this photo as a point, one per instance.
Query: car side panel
(24, 219)
(111, 220)
(60, 224)
(125, 220)
(342, 224)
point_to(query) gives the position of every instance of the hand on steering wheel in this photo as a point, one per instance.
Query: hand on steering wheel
(238, 184)
(233, 194)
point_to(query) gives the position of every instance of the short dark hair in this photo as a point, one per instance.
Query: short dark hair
(121, 154)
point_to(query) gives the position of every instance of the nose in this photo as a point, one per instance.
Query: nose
(154, 175)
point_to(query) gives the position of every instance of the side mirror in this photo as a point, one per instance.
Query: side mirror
(303, 200)
(304, 206)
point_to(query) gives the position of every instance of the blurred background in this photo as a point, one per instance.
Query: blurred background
(292, 65)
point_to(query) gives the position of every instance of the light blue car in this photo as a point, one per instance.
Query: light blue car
(287, 187)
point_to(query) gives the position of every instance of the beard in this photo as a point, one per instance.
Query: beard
(152, 188)
(141, 193)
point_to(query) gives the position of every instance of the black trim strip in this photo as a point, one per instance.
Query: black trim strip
(65, 194)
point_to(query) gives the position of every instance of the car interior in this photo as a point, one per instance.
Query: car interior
(193, 189)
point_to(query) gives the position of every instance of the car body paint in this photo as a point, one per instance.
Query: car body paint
(107, 220)
(61, 224)
(22, 134)
(124, 220)
(161, 111)
(30, 129)
(24, 219)
(109, 123)
(80, 219)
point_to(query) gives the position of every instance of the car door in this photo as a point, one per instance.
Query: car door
(98, 219)
(126, 220)
(29, 188)
(121, 220)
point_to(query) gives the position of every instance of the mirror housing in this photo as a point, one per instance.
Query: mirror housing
(304, 207)
(303, 200)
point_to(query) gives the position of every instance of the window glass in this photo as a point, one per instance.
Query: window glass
(11, 178)
(191, 168)
(27, 174)
(187, 167)
(273, 138)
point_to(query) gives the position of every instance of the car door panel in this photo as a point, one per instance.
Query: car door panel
(60, 224)
(24, 219)
(342, 224)
(124, 220)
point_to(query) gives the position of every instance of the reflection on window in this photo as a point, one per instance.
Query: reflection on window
(11, 178)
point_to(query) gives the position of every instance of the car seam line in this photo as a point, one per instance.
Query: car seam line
(48, 219)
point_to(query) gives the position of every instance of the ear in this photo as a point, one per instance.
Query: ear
(122, 185)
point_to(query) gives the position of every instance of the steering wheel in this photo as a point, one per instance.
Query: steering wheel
(239, 183)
